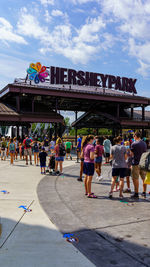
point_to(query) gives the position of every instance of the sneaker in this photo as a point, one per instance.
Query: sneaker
(127, 190)
(30, 163)
(97, 177)
(135, 196)
(100, 178)
(143, 194)
(70, 157)
(116, 190)
(110, 195)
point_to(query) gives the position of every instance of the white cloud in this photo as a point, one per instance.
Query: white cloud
(11, 68)
(7, 34)
(56, 12)
(77, 45)
(82, 1)
(47, 16)
(28, 25)
(89, 31)
(47, 2)
(133, 18)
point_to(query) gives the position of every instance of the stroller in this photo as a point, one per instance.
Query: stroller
(51, 165)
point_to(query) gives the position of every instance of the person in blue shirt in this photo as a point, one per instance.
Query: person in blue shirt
(79, 146)
(107, 146)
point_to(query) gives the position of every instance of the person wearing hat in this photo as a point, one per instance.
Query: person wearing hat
(42, 157)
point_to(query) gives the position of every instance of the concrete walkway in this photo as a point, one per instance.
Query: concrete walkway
(30, 238)
(110, 232)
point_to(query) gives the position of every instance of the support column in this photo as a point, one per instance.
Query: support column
(33, 105)
(131, 112)
(60, 130)
(76, 117)
(118, 111)
(18, 103)
(17, 131)
(12, 132)
(76, 132)
(121, 131)
(143, 112)
(55, 131)
(143, 132)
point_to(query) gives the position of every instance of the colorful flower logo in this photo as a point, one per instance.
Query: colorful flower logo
(37, 72)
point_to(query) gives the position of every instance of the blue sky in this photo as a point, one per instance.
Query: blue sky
(105, 36)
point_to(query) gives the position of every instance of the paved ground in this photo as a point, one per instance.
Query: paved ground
(30, 239)
(110, 232)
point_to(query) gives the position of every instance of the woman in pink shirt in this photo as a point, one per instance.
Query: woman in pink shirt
(99, 152)
(88, 167)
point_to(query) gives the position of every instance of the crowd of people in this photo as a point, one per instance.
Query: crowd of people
(40, 149)
(122, 154)
(124, 157)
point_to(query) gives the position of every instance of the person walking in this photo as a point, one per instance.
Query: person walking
(35, 146)
(128, 171)
(138, 147)
(3, 148)
(79, 147)
(52, 145)
(88, 167)
(46, 143)
(68, 147)
(99, 152)
(119, 165)
(107, 146)
(12, 150)
(27, 149)
(81, 160)
(59, 155)
(42, 156)
(17, 147)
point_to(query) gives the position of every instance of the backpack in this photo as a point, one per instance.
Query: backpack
(36, 147)
(144, 163)
(28, 142)
(62, 151)
(11, 147)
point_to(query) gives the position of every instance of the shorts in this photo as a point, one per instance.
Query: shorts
(128, 172)
(82, 159)
(78, 149)
(136, 172)
(28, 151)
(68, 150)
(42, 165)
(59, 158)
(119, 172)
(17, 149)
(3, 153)
(88, 168)
(107, 155)
(98, 160)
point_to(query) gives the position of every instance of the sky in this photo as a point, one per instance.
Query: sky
(103, 36)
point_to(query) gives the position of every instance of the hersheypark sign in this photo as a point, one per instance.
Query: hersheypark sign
(38, 73)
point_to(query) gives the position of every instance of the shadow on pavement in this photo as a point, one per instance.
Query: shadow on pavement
(23, 244)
